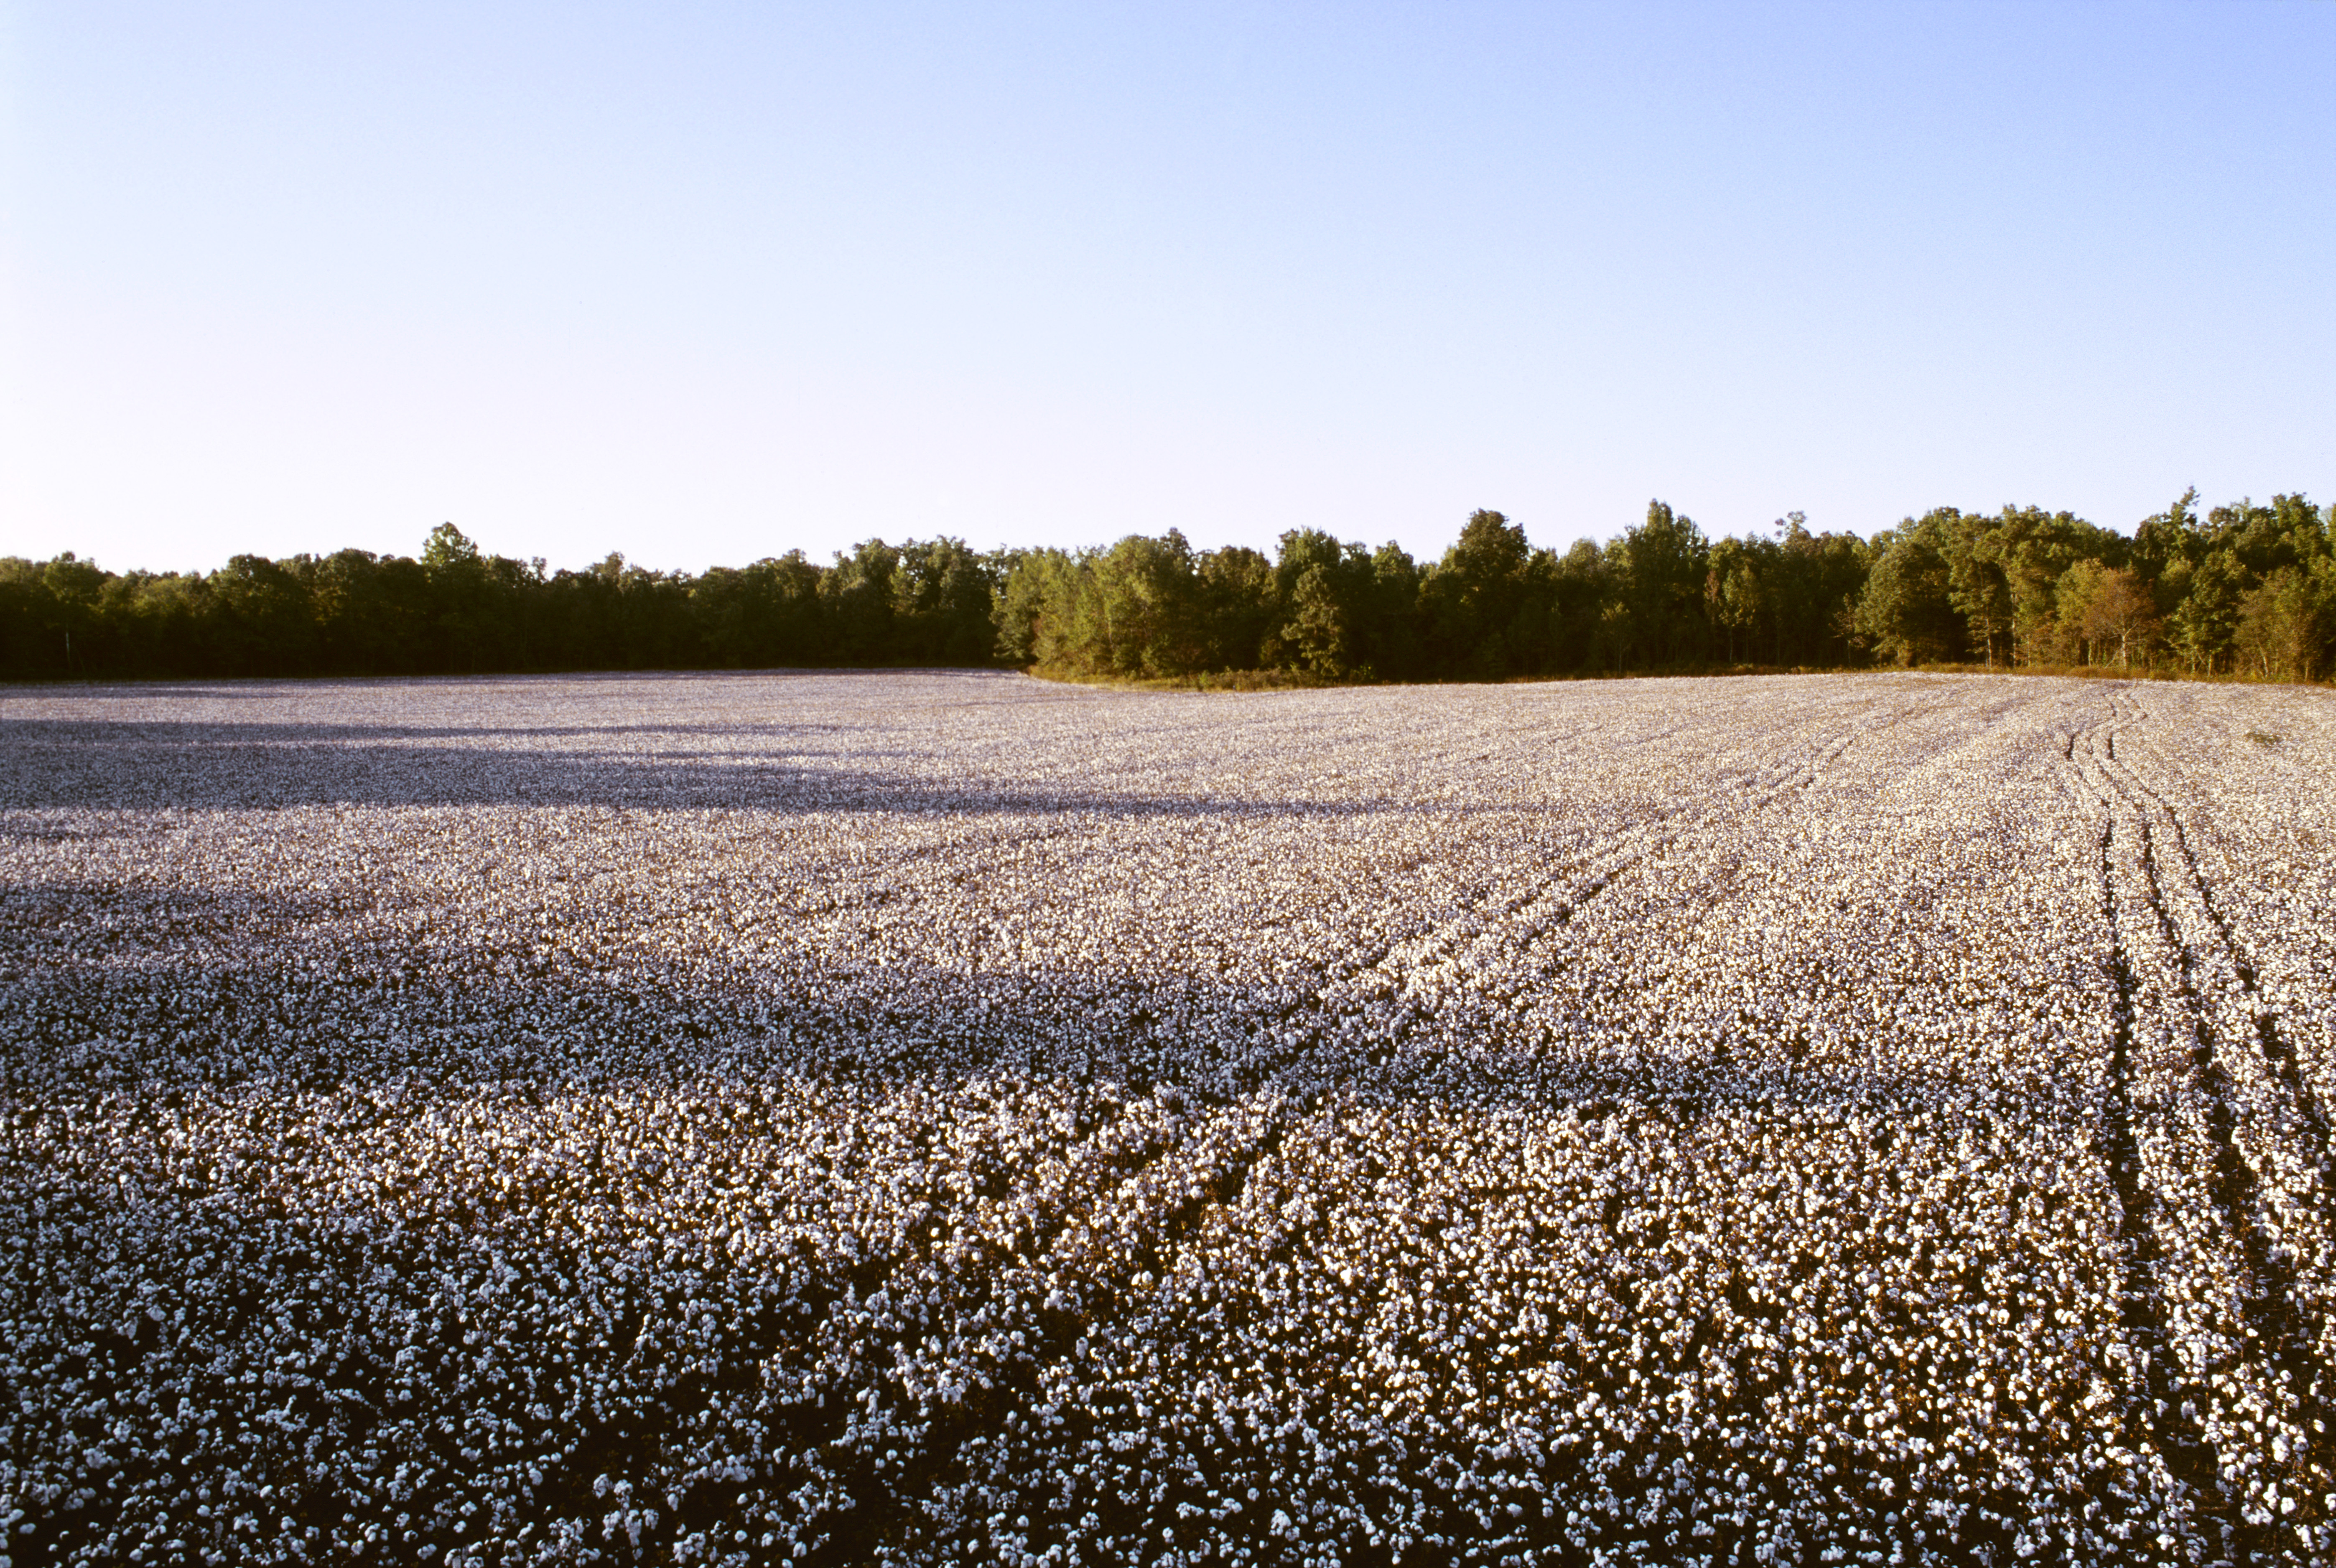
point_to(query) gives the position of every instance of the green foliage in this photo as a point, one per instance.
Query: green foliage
(2285, 624)
(1908, 611)
(2243, 589)
(1659, 569)
(1334, 610)
(454, 609)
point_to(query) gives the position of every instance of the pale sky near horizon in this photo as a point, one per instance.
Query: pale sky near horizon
(702, 283)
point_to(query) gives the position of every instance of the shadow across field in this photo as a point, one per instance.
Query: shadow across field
(112, 988)
(259, 1040)
(56, 764)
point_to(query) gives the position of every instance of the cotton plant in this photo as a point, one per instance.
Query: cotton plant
(951, 1118)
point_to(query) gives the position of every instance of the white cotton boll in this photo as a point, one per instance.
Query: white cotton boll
(1439, 1199)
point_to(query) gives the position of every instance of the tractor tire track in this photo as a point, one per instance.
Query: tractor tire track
(2270, 1307)
(2141, 1254)
(1144, 1199)
(2286, 1316)
(1545, 911)
(2277, 1054)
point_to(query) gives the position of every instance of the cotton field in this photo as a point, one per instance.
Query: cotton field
(950, 1118)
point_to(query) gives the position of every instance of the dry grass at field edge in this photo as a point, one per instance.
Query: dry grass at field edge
(1258, 680)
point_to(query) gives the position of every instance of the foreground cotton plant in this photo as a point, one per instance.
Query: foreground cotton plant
(949, 1118)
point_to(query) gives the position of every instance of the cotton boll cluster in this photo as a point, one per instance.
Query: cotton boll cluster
(951, 1118)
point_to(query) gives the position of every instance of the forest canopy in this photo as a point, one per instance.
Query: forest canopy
(2241, 589)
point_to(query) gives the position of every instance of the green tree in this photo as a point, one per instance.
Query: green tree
(1328, 592)
(1907, 611)
(1033, 609)
(1240, 604)
(1658, 571)
(1319, 632)
(767, 615)
(1394, 649)
(1148, 594)
(1578, 591)
(2168, 541)
(942, 605)
(2284, 625)
(859, 594)
(2204, 622)
(273, 622)
(1736, 594)
(74, 590)
(1471, 597)
(1819, 578)
(1978, 586)
(460, 591)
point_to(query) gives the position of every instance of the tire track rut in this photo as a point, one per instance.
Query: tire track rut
(2141, 1259)
(2276, 1052)
(1544, 911)
(2136, 825)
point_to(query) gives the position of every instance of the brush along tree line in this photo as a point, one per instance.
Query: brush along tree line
(2245, 588)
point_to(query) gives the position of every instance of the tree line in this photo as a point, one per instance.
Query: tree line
(2243, 589)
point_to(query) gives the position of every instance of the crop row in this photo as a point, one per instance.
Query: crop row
(951, 1118)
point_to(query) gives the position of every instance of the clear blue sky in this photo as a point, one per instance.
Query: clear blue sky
(705, 282)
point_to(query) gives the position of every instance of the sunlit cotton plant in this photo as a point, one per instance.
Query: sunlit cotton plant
(928, 1118)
